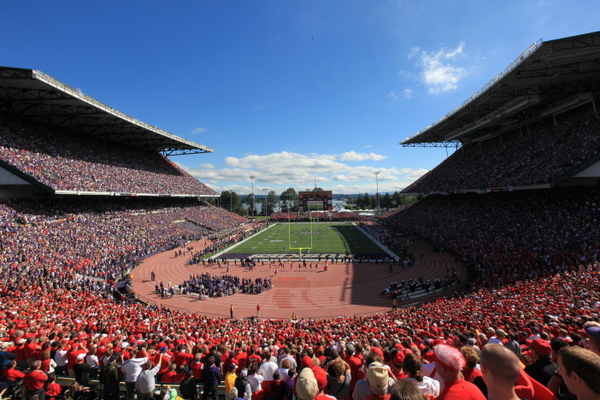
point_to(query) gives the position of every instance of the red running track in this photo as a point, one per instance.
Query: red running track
(346, 289)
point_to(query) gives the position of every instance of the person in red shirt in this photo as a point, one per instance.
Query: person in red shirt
(34, 381)
(164, 359)
(12, 373)
(20, 352)
(31, 350)
(396, 365)
(239, 359)
(73, 358)
(197, 367)
(355, 364)
(470, 372)
(51, 388)
(181, 374)
(449, 361)
(184, 356)
(255, 357)
(171, 375)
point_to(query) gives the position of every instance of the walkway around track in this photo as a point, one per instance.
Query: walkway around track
(346, 289)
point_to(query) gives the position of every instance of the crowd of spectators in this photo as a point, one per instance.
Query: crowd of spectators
(557, 306)
(537, 154)
(54, 236)
(44, 299)
(223, 285)
(397, 290)
(535, 255)
(512, 236)
(68, 161)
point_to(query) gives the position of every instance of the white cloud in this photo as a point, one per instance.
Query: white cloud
(408, 93)
(354, 156)
(392, 95)
(198, 130)
(439, 70)
(279, 171)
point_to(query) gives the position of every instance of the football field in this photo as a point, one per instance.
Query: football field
(311, 240)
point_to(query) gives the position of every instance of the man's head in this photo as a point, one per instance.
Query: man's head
(580, 369)
(501, 334)
(470, 355)
(593, 331)
(210, 361)
(306, 385)
(320, 376)
(405, 389)
(499, 365)
(449, 361)
(541, 349)
(378, 378)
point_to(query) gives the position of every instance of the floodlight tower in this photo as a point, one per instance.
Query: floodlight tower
(252, 186)
(377, 193)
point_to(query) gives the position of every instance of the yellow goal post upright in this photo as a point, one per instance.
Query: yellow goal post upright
(291, 245)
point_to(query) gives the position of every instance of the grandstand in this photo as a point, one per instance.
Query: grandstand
(70, 225)
(59, 141)
(534, 125)
(87, 191)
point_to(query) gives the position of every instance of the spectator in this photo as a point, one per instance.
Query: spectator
(500, 368)
(449, 362)
(188, 387)
(406, 390)
(34, 381)
(413, 367)
(146, 381)
(211, 376)
(242, 386)
(580, 369)
(543, 368)
(109, 377)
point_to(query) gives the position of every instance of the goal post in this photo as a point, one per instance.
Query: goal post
(303, 240)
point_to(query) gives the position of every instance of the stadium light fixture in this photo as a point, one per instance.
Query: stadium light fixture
(377, 193)
(252, 188)
(266, 204)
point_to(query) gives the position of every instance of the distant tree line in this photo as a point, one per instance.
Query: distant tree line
(386, 201)
(288, 202)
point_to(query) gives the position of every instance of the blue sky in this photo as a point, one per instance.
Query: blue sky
(288, 91)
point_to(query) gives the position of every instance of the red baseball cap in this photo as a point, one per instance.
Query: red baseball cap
(540, 346)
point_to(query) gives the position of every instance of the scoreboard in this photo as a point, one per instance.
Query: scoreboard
(319, 200)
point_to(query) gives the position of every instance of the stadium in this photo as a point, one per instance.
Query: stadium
(95, 216)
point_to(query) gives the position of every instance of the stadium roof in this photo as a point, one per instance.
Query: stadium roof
(546, 79)
(39, 97)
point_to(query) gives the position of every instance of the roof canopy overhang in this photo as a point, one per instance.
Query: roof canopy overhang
(39, 97)
(546, 79)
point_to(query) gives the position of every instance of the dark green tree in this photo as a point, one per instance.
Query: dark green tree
(288, 200)
(271, 201)
(385, 201)
(397, 198)
(230, 201)
(360, 202)
(250, 201)
(368, 202)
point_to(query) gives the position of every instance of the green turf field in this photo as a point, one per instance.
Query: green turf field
(314, 238)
